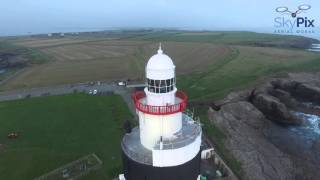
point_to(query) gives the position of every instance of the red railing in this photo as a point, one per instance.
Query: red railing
(160, 110)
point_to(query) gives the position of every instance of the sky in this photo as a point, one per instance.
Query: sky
(44, 16)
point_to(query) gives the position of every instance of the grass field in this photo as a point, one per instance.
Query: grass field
(222, 37)
(112, 60)
(59, 129)
(217, 55)
(244, 67)
(24, 57)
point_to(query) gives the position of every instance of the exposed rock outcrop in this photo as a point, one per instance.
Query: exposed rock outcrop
(244, 124)
(250, 119)
(274, 109)
(301, 88)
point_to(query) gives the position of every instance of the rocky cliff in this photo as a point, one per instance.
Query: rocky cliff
(258, 124)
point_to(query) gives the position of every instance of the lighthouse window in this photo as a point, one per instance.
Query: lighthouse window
(163, 90)
(157, 83)
(161, 86)
(151, 89)
(168, 82)
(163, 83)
(151, 82)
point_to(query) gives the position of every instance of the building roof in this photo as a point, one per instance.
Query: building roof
(160, 61)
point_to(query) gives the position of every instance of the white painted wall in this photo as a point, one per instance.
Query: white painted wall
(161, 74)
(152, 127)
(175, 157)
(160, 99)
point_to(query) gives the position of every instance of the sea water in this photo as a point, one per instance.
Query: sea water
(315, 48)
(311, 126)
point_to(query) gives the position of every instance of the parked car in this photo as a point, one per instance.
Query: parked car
(121, 83)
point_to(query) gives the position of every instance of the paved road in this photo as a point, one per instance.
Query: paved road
(56, 90)
(68, 89)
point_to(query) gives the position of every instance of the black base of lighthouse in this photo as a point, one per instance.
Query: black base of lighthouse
(137, 171)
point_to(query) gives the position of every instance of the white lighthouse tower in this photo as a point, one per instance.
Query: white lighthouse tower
(166, 145)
